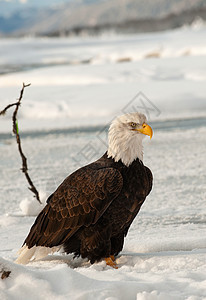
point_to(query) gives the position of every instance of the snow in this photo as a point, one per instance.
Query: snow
(29, 207)
(61, 119)
(83, 78)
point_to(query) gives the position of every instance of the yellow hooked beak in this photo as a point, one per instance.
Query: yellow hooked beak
(146, 129)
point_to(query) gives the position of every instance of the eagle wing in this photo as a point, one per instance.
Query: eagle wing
(80, 200)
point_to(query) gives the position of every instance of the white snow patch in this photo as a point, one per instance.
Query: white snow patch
(32, 207)
(151, 277)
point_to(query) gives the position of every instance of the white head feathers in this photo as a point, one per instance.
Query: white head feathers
(125, 141)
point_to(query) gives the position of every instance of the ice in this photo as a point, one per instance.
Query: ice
(77, 89)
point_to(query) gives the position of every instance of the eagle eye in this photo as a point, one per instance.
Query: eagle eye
(133, 124)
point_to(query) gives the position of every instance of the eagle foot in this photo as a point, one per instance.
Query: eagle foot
(110, 261)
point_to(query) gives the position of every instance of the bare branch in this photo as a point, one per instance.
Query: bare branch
(7, 107)
(18, 140)
(16, 103)
(17, 107)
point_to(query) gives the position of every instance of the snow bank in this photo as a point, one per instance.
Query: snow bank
(101, 50)
(168, 68)
(176, 88)
(32, 207)
(148, 277)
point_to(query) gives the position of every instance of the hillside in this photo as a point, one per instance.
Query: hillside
(91, 14)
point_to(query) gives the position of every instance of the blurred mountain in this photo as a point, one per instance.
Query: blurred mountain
(8, 7)
(59, 17)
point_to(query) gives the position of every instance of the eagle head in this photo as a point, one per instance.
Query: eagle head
(125, 137)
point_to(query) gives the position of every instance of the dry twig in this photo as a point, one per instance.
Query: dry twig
(4, 274)
(18, 140)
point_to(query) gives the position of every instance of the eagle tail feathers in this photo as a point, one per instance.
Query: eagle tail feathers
(35, 253)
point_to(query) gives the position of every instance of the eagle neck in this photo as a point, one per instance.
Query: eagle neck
(125, 150)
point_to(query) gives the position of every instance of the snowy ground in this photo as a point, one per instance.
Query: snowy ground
(65, 110)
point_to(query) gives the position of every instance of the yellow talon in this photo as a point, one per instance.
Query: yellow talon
(110, 261)
(112, 257)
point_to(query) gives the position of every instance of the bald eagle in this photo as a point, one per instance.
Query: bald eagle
(91, 211)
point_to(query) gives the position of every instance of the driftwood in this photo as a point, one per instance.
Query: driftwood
(18, 140)
(4, 274)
